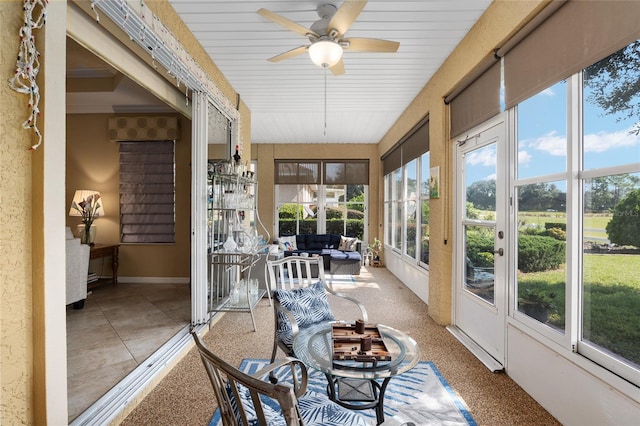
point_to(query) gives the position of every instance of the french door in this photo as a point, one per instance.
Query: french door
(480, 303)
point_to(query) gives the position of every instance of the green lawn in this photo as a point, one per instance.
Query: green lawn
(611, 301)
(594, 224)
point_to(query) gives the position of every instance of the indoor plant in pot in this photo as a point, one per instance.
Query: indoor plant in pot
(537, 303)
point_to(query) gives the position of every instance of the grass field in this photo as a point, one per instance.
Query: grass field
(611, 300)
(594, 224)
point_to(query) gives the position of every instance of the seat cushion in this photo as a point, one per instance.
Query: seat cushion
(309, 306)
(271, 408)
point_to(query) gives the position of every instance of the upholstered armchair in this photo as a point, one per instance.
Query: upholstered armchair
(77, 269)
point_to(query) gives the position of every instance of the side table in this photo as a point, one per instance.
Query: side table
(100, 251)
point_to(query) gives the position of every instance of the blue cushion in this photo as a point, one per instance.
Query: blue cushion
(272, 412)
(309, 306)
(345, 255)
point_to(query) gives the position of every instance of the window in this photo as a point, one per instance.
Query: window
(585, 156)
(406, 195)
(147, 192)
(310, 202)
(424, 209)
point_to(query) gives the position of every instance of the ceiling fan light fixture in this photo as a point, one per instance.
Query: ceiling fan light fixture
(325, 53)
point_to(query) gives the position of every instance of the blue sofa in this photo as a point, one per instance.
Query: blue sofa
(326, 245)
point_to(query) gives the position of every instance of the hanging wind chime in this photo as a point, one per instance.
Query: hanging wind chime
(28, 63)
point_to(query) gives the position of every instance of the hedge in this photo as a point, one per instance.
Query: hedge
(539, 253)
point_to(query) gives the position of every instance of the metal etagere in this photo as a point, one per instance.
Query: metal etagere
(235, 243)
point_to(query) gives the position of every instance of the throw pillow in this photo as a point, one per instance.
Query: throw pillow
(309, 305)
(287, 243)
(348, 243)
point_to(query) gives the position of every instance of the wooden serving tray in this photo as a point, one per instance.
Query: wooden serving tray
(346, 343)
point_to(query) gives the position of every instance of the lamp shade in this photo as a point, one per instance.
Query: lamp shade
(325, 53)
(92, 206)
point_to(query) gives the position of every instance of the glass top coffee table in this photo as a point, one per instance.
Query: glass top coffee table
(354, 384)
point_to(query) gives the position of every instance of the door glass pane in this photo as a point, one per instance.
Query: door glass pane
(542, 133)
(480, 181)
(611, 265)
(297, 209)
(479, 266)
(541, 238)
(335, 208)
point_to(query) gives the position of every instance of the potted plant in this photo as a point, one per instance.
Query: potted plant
(537, 303)
(375, 248)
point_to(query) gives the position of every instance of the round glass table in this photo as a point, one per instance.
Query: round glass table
(356, 384)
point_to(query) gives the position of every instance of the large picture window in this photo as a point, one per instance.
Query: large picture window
(316, 197)
(578, 210)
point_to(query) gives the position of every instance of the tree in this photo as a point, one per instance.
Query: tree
(624, 227)
(615, 84)
(482, 194)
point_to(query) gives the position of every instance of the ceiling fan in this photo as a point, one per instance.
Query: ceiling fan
(327, 35)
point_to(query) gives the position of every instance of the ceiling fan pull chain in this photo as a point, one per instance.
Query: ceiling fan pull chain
(325, 101)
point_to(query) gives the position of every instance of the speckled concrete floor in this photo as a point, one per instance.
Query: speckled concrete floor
(185, 397)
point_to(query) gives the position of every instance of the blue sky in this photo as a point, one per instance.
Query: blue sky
(542, 132)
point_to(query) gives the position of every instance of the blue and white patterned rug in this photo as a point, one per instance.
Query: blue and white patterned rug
(421, 396)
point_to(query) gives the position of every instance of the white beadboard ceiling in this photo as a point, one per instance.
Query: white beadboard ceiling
(287, 100)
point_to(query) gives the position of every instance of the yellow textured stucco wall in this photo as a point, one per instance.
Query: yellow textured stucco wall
(16, 325)
(492, 29)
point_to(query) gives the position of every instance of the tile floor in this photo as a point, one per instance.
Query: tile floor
(119, 327)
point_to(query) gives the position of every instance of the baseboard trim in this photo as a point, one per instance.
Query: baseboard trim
(483, 356)
(153, 280)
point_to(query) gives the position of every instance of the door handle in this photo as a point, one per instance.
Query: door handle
(499, 251)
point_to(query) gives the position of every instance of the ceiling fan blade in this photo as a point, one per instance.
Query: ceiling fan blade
(345, 16)
(289, 54)
(287, 23)
(338, 69)
(358, 44)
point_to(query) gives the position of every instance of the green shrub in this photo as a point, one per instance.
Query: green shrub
(539, 253)
(289, 211)
(478, 247)
(550, 225)
(624, 227)
(557, 234)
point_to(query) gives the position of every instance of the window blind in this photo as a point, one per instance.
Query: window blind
(348, 172)
(291, 172)
(577, 35)
(412, 145)
(147, 192)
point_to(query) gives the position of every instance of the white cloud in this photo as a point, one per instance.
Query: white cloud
(603, 141)
(492, 176)
(524, 157)
(548, 92)
(484, 157)
(551, 143)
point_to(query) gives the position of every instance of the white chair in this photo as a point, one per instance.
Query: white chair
(77, 255)
(300, 298)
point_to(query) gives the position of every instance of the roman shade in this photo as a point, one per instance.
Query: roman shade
(412, 145)
(347, 172)
(293, 172)
(479, 101)
(577, 35)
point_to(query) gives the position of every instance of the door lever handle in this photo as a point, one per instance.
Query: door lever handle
(499, 251)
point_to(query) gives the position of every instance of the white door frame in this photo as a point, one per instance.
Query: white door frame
(488, 341)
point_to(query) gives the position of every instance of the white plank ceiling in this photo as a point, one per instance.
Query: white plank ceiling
(287, 100)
